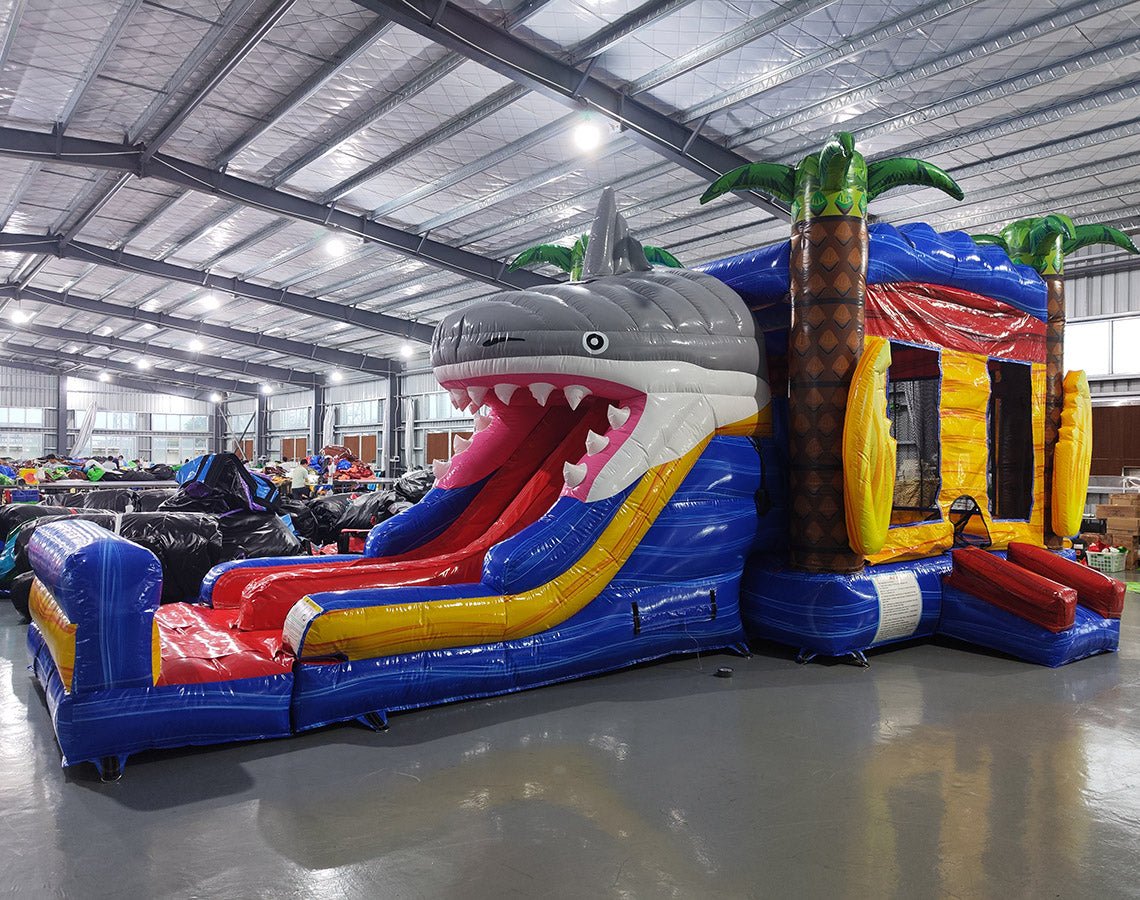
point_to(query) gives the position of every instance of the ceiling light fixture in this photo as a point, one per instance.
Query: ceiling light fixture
(196, 346)
(20, 317)
(267, 389)
(587, 136)
(215, 397)
(335, 376)
(407, 351)
(104, 376)
(211, 301)
(143, 364)
(335, 246)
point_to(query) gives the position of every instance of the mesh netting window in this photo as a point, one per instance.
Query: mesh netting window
(1010, 415)
(913, 397)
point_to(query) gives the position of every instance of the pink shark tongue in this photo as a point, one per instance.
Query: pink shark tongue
(513, 408)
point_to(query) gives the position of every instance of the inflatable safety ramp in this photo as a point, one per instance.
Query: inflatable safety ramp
(1034, 605)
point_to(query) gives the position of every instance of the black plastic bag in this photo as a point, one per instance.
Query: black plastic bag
(366, 510)
(150, 500)
(21, 594)
(414, 484)
(197, 497)
(303, 519)
(398, 506)
(15, 515)
(327, 509)
(247, 535)
(111, 500)
(187, 545)
(161, 472)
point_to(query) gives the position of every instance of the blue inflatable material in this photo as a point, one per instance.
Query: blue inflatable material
(95, 608)
(913, 252)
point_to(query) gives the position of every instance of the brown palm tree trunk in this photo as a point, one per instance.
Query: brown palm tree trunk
(1054, 390)
(828, 288)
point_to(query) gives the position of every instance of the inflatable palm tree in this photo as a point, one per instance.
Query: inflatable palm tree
(828, 192)
(1043, 242)
(571, 259)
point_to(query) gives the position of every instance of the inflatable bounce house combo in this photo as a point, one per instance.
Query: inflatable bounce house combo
(857, 437)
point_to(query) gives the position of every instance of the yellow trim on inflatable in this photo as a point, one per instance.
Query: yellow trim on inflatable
(155, 652)
(869, 451)
(57, 630)
(1072, 457)
(965, 455)
(372, 631)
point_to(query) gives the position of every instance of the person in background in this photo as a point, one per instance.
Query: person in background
(299, 479)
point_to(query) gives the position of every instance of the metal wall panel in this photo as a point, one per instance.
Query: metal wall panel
(361, 390)
(1102, 295)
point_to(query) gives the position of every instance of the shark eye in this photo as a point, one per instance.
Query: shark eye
(595, 342)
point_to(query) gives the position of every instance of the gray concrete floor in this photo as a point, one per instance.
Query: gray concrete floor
(937, 772)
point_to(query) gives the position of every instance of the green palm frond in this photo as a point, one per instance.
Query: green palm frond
(995, 239)
(834, 160)
(774, 179)
(660, 257)
(1087, 235)
(552, 254)
(888, 174)
(1050, 226)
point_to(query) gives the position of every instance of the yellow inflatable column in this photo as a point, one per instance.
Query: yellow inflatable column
(1072, 458)
(869, 451)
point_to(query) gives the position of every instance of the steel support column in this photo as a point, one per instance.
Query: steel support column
(61, 446)
(261, 428)
(318, 418)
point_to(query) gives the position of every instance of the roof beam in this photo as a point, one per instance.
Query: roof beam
(190, 379)
(129, 262)
(131, 158)
(131, 383)
(459, 30)
(325, 355)
(233, 59)
(260, 371)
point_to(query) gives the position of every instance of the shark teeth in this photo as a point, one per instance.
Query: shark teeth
(459, 444)
(574, 474)
(618, 416)
(505, 391)
(439, 467)
(481, 421)
(541, 391)
(477, 394)
(459, 398)
(595, 443)
(575, 394)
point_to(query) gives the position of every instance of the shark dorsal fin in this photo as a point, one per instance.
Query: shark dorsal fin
(611, 249)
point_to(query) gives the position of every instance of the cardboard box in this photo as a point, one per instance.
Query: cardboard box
(1130, 527)
(1132, 500)
(1106, 511)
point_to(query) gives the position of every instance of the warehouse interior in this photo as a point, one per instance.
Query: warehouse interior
(233, 226)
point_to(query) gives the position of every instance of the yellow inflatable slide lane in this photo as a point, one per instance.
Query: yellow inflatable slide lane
(1072, 457)
(372, 631)
(869, 451)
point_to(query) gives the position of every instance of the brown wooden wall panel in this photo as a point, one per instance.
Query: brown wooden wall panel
(1116, 439)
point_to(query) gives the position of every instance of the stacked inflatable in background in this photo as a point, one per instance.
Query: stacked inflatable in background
(838, 443)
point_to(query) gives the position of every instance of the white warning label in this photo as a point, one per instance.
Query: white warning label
(303, 612)
(900, 605)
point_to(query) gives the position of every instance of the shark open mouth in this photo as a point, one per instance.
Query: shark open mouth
(601, 415)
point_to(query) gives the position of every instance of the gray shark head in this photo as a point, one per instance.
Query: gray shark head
(672, 353)
(660, 315)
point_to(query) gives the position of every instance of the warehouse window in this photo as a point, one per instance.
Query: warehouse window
(913, 397)
(1010, 427)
